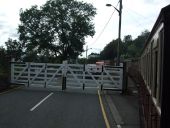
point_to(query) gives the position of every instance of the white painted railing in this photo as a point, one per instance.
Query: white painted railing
(73, 75)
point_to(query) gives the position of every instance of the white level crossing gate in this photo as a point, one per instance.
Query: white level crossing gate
(66, 75)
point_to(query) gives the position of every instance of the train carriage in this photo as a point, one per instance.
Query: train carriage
(154, 67)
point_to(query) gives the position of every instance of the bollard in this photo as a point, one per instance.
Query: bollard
(101, 87)
(63, 83)
(84, 72)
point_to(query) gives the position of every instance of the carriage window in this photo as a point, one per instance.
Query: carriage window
(149, 69)
(151, 65)
(145, 68)
(147, 77)
(161, 35)
(155, 73)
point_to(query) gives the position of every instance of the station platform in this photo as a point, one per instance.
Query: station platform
(123, 108)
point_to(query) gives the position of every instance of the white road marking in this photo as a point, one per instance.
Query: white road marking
(33, 108)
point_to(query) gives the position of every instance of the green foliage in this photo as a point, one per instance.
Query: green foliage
(14, 49)
(57, 29)
(4, 62)
(4, 69)
(140, 41)
(81, 60)
(129, 48)
(110, 51)
(134, 47)
(93, 58)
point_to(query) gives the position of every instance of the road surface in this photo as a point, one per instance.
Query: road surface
(31, 108)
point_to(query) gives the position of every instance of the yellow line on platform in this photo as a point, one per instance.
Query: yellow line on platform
(103, 111)
(10, 90)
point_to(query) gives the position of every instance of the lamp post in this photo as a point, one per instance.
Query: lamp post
(119, 32)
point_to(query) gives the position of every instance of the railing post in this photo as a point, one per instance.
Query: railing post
(28, 65)
(84, 71)
(124, 82)
(64, 72)
(12, 70)
(102, 78)
(45, 75)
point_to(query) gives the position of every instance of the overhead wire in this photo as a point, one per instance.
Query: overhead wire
(137, 21)
(131, 10)
(139, 24)
(104, 26)
(135, 12)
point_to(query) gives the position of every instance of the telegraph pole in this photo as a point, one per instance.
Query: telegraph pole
(119, 33)
(119, 30)
(86, 51)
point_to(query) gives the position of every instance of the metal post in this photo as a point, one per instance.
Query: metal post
(28, 65)
(84, 73)
(45, 75)
(64, 72)
(86, 52)
(12, 70)
(125, 79)
(102, 78)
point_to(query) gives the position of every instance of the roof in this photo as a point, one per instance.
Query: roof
(100, 62)
(160, 19)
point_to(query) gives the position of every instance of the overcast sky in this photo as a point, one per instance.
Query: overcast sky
(137, 15)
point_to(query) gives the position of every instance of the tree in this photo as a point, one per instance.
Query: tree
(93, 58)
(57, 29)
(141, 39)
(129, 48)
(4, 62)
(127, 41)
(110, 51)
(2, 57)
(14, 49)
(133, 48)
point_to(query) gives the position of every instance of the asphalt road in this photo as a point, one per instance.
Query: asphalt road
(29, 108)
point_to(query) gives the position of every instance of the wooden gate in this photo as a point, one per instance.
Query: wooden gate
(67, 75)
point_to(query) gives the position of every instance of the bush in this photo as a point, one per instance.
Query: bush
(4, 81)
(4, 69)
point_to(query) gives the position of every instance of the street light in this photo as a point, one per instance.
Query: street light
(109, 5)
(119, 33)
